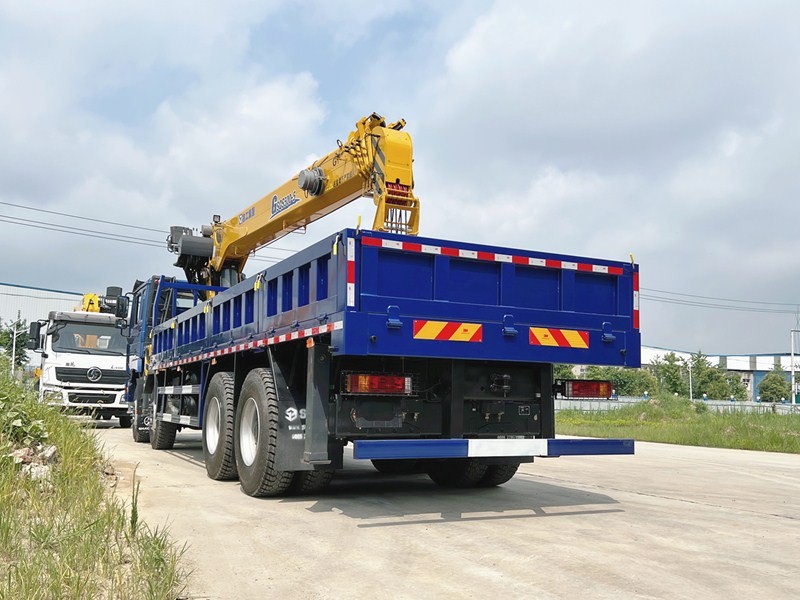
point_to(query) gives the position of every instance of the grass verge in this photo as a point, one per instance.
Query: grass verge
(65, 535)
(680, 421)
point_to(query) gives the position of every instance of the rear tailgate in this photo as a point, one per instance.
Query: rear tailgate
(433, 298)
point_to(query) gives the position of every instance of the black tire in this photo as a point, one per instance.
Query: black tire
(311, 482)
(140, 428)
(457, 472)
(140, 435)
(142, 412)
(124, 422)
(162, 435)
(498, 475)
(403, 466)
(256, 437)
(218, 424)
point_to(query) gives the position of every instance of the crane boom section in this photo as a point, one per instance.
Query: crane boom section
(361, 167)
(376, 160)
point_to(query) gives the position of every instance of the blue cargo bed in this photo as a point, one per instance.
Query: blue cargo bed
(392, 295)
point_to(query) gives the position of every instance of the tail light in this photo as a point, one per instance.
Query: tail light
(584, 388)
(369, 383)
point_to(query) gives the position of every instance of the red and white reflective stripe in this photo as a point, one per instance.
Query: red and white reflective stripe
(351, 272)
(266, 341)
(636, 300)
(489, 256)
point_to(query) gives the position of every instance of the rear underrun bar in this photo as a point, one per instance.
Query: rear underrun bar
(460, 448)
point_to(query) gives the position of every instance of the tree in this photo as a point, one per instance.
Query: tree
(668, 371)
(561, 371)
(774, 386)
(7, 341)
(738, 390)
(713, 381)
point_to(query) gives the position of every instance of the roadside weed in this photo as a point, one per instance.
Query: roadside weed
(679, 421)
(67, 535)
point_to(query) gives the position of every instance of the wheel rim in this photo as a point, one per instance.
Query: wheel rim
(249, 432)
(212, 425)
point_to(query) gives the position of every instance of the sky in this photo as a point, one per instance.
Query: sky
(666, 130)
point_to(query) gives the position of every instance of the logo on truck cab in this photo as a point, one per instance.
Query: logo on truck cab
(281, 204)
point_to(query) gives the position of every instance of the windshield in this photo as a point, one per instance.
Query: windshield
(88, 338)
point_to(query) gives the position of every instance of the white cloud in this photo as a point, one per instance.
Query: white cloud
(666, 130)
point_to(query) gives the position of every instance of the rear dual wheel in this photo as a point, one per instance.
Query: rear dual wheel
(468, 472)
(457, 472)
(401, 466)
(256, 444)
(311, 482)
(256, 437)
(498, 475)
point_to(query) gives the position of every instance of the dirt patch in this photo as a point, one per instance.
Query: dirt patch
(119, 478)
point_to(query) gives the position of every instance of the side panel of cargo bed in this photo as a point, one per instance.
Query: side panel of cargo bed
(429, 298)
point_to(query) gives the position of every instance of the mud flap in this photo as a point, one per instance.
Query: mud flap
(291, 421)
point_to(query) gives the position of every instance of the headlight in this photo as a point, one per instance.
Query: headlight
(52, 396)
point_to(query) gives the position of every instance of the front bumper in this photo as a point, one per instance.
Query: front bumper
(87, 400)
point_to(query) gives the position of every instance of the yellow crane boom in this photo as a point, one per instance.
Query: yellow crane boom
(376, 160)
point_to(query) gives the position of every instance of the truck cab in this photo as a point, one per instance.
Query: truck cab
(83, 363)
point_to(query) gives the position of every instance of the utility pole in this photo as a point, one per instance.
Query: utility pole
(14, 343)
(792, 334)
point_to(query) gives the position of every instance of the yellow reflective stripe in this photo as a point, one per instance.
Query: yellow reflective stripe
(430, 330)
(574, 338)
(544, 337)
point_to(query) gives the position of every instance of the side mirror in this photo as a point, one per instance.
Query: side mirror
(33, 335)
(123, 304)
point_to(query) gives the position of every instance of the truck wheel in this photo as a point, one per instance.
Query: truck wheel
(218, 418)
(142, 412)
(398, 466)
(498, 475)
(162, 435)
(124, 422)
(457, 472)
(141, 435)
(310, 482)
(256, 437)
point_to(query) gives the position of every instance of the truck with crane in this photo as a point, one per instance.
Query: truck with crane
(83, 358)
(420, 354)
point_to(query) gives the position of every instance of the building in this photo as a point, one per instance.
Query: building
(751, 368)
(32, 303)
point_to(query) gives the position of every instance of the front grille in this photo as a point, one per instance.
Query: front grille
(92, 398)
(80, 375)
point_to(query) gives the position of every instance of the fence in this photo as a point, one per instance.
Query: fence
(713, 405)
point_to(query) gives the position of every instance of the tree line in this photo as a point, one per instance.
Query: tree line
(670, 375)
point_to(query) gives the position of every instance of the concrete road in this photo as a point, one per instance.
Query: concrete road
(670, 522)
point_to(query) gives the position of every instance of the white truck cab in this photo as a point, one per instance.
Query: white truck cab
(84, 363)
